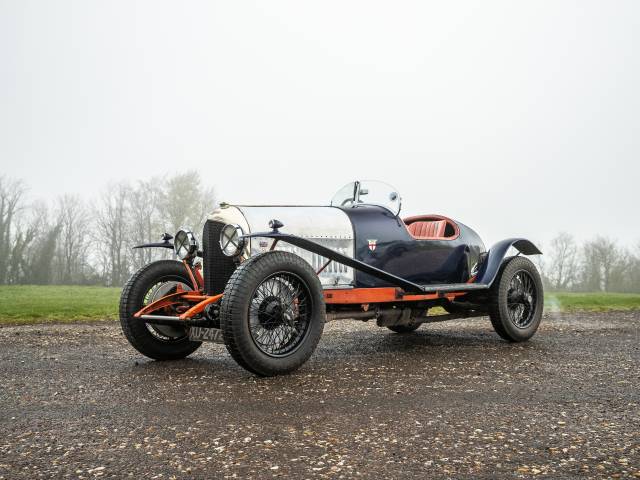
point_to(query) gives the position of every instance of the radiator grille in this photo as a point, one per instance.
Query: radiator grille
(217, 266)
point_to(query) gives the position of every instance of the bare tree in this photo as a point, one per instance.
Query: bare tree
(111, 233)
(563, 261)
(11, 194)
(601, 257)
(30, 227)
(72, 216)
(621, 271)
(145, 221)
(41, 265)
(185, 202)
(590, 273)
(18, 265)
(633, 276)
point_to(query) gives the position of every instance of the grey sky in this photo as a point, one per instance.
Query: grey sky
(515, 118)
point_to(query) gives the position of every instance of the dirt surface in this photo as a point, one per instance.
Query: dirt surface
(451, 400)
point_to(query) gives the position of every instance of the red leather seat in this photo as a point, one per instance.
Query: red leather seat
(427, 230)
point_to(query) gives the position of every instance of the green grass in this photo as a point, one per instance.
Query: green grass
(592, 302)
(52, 303)
(22, 304)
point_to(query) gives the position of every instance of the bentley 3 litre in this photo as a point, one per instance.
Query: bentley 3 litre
(271, 276)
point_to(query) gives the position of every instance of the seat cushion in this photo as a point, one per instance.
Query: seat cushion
(427, 230)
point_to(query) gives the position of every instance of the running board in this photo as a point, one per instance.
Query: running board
(455, 287)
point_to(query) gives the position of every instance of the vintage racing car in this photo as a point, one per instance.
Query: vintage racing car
(271, 276)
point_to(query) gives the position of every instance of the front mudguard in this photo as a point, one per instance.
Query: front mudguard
(496, 255)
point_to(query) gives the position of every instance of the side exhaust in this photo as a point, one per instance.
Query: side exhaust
(389, 317)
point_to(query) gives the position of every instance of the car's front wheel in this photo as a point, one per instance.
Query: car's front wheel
(150, 283)
(272, 313)
(516, 302)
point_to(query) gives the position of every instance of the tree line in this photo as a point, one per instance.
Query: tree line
(74, 241)
(597, 265)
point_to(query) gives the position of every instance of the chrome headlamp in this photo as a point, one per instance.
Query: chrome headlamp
(185, 244)
(231, 242)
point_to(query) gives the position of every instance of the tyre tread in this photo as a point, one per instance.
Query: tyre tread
(498, 290)
(239, 286)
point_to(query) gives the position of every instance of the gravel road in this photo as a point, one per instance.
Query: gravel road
(451, 400)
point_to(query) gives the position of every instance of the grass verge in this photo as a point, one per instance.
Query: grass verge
(24, 304)
(591, 302)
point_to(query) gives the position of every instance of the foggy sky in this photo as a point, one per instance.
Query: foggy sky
(516, 118)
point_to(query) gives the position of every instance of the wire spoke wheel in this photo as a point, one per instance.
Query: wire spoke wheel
(272, 313)
(516, 300)
(522, 297)
(279, 314)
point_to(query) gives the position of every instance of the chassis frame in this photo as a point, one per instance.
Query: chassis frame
(399, 304)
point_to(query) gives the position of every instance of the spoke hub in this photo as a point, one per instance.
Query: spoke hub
(521, 299)
(270, 313)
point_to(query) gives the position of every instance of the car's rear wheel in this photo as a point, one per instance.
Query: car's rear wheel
(516, 302)
(150, 283)
(272, 313)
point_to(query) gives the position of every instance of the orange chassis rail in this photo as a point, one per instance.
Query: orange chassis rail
(352, 296)
(199, 300)
(380, 295)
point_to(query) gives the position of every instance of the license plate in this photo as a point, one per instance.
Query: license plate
(202, 334)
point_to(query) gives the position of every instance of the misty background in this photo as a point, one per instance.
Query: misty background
(518, 119)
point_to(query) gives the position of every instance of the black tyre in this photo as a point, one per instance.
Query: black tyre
(516, 300)
(272, 313)
(148, 284)
(405, 328)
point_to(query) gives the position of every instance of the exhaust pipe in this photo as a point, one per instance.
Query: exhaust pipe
(389, 317)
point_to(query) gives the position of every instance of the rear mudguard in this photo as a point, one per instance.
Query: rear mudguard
(496, 255)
